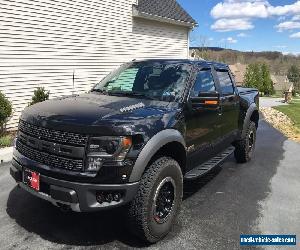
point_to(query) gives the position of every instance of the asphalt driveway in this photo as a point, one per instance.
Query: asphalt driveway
(258, 197)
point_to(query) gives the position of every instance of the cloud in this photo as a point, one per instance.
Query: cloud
(285, 9)
(242, 35)
(289, 25)
(291, 53)
(252, 9)
(281, 18)
(231, 40)
(241, 1)
(280, 46)
(240, 9)
(229, 11)
(295, 35)
(296, 18)
(223, 25)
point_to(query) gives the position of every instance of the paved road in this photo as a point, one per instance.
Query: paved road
(268, 102)
(259, 197)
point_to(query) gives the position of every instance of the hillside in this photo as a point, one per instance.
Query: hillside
(278, 63)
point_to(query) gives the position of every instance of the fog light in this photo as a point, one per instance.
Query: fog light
(109, 198)
(117, 197)
(100, 198)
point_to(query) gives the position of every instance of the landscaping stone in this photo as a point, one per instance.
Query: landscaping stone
(282, 122)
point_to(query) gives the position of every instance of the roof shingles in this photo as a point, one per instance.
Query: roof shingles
(166, 9)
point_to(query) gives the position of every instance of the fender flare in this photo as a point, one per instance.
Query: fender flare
(153, 145)
(247, 118)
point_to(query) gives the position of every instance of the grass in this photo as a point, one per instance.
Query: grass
(292, 111)
(296, 99)
(6, 140)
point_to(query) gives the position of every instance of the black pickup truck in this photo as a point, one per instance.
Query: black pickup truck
(134, 139)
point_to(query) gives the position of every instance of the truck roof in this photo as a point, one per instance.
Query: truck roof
(203, 63)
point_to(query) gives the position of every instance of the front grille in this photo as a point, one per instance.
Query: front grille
(53, 135)
(50, 160)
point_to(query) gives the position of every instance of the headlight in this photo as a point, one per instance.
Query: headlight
(102, 149)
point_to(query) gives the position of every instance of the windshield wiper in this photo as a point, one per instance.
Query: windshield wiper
(134, 94)
(101, 91)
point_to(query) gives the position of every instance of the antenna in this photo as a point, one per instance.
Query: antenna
(73, 91)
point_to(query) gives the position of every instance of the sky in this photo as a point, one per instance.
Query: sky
(246, 25)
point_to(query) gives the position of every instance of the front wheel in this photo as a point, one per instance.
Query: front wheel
(157, 203)
(244, 148)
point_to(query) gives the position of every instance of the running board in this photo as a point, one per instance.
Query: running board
(209, 165)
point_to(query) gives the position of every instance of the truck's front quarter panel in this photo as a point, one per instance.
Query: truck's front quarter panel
(249, 104)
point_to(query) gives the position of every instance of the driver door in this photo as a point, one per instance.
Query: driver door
(202, 119)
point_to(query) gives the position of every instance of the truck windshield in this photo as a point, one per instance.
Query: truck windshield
(155, 80)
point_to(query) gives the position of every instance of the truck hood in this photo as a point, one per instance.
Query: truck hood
(101, 114)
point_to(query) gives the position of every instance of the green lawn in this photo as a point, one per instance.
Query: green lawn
(292, 110)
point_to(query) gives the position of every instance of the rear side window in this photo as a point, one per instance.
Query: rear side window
(225, 82)
(204, 83)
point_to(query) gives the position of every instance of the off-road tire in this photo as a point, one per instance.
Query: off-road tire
(142, 221)
(244, 148)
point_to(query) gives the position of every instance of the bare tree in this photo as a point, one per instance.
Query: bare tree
(201, 43)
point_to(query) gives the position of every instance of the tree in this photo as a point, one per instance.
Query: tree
(267, 83)
(201, 43)
(294, 76)
(252, 76)
(258, 76)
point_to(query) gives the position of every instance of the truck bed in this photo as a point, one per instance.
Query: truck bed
(243, 90)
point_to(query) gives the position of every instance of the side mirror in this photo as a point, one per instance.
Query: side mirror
(207, 100)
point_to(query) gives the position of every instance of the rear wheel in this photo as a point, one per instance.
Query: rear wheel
(157, 203)
(244, 148)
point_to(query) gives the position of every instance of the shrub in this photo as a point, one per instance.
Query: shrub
(5, 111)
(6, 141)
(39, 95)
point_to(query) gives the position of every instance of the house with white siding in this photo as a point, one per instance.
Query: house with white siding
(67, 46)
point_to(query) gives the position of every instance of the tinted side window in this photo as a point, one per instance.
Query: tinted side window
(225, 82)
(204, 83)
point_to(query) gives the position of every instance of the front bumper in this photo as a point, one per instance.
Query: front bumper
(80, 197)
